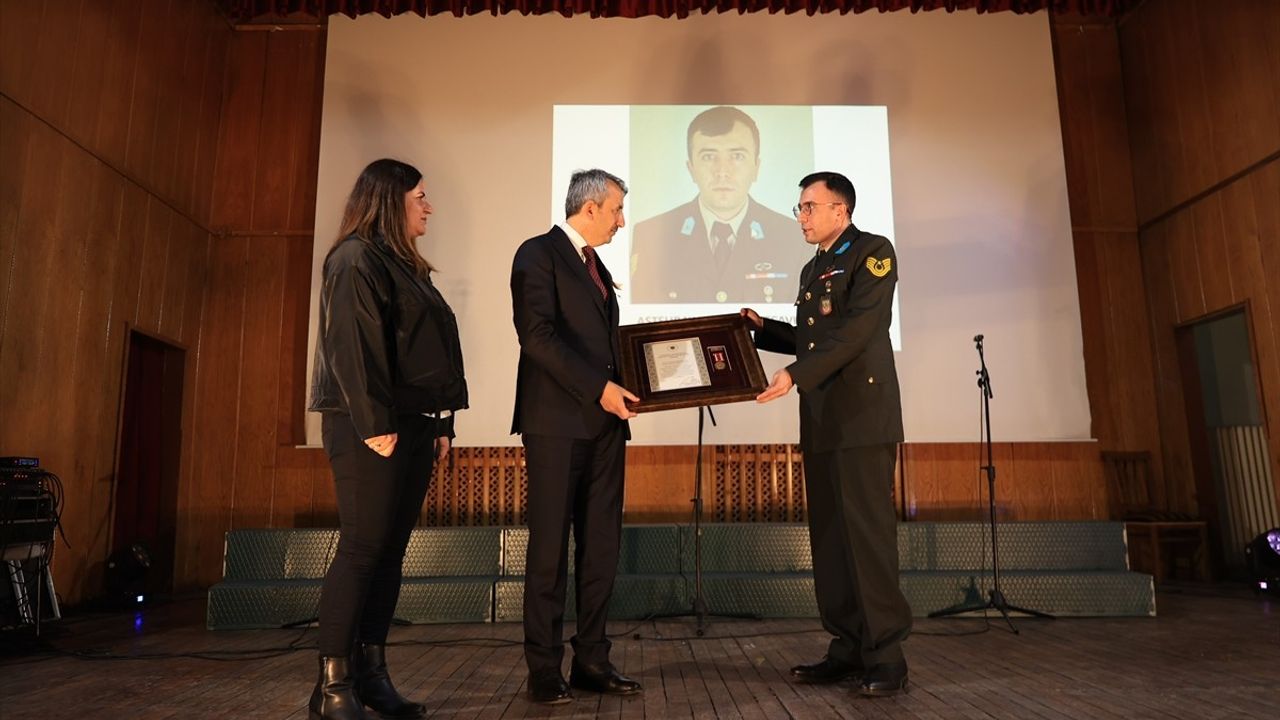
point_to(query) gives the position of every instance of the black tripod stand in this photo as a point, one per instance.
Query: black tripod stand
(996, 597)
(699, 611)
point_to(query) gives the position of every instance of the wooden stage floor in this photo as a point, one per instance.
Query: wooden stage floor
(1212, 653)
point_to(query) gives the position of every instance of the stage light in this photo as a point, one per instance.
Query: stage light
(1262, 557)
(126, 575)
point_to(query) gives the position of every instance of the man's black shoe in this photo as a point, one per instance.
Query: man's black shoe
(603, 678)
(884, 680)
(548, 687)
(825, 672)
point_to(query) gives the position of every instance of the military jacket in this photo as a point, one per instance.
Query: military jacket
(844, 367)
(671, 261)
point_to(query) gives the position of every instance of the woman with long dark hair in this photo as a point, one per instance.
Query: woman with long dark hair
(388, 378)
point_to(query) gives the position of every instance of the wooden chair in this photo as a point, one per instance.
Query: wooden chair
(1157, 537)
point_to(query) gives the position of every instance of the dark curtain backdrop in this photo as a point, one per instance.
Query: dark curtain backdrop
(246, 10)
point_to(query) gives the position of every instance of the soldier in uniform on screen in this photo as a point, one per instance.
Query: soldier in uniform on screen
(721, 246)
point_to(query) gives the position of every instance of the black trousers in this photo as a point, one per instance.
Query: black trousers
(574, 483)
(853, 532)
(379, 500)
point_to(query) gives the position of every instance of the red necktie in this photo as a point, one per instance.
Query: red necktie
(589, 253)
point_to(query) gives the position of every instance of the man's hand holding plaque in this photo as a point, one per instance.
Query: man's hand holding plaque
(781, 385)
(782, 382)
(614, 400)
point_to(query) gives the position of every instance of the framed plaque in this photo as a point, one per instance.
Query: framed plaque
(686, 363)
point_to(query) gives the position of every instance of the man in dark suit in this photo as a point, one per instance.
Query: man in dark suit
(722, 246)
(572, 415)
(850, 425)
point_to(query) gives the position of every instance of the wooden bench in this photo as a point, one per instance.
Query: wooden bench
(1157, 538)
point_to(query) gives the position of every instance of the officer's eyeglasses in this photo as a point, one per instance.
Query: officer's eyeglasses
(806, 208)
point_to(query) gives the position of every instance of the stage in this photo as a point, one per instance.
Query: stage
(1213, 652)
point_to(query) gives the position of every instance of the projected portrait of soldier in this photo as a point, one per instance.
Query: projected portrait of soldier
(721, 246)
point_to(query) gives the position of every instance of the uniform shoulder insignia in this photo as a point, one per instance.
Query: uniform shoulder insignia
(843, 247)
(757, 231)
(879, 268)
(687, 227)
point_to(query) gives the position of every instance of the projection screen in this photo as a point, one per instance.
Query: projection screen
(947, 123)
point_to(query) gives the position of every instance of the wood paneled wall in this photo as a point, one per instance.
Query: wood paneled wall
(1203, 104)
(107, 133)
(1034, 481)
(1171, 131)
(1109, 275)
(1202, 95)
(246, 471)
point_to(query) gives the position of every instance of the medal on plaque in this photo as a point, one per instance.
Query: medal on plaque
(719, 355)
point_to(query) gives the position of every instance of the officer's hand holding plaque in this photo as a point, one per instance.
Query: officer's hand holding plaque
(687, 363)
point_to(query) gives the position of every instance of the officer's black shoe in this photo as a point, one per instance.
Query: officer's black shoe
(884, 680)
(548, 687)
(825, 672)
(603, 678)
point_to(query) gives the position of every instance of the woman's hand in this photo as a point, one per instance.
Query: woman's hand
(384, 445)
(442, 448)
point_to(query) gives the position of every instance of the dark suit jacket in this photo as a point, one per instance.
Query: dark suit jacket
(670, 255)
(568, 340)
(844, 366)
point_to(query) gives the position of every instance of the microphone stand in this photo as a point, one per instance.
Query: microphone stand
(996, 596)
(699, 602)
(700, 610)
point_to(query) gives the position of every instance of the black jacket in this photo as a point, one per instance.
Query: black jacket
(568, 340)
(388, 342)
(844, 366)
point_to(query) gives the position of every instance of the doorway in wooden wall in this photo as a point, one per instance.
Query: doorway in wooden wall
(146, 495)
(1228, 434)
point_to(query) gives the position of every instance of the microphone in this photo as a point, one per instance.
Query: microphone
(977, 338)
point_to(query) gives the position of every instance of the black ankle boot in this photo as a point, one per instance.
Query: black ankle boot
(373, 684)
(334, 697)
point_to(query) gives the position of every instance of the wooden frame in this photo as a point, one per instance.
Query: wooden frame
(733, 365)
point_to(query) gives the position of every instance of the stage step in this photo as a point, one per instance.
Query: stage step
(260, 554)
(251, 604)
(272, 577)
(778, 595)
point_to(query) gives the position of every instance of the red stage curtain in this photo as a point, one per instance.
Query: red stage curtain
(245, 10)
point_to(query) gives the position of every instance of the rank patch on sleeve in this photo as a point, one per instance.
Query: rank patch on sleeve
(879, 268)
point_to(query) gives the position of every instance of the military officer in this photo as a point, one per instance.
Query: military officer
(722, 246)
(850, 425)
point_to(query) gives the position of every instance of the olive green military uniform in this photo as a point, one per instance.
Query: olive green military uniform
(850, 425)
